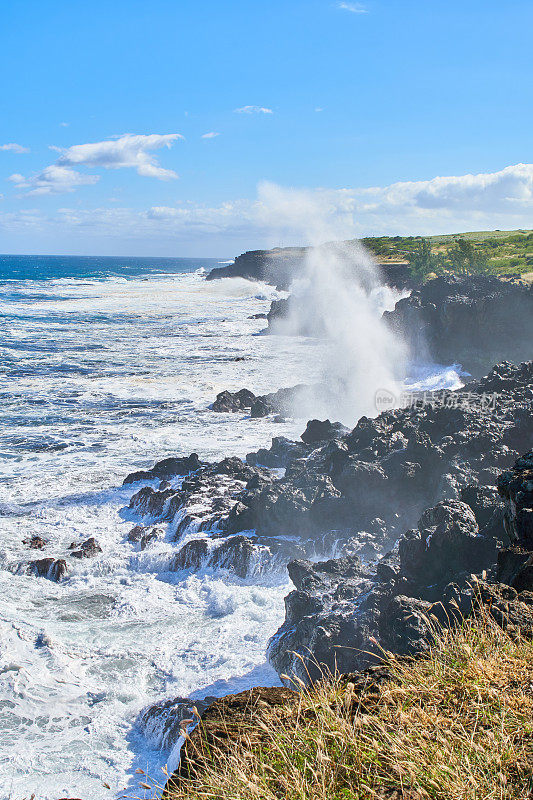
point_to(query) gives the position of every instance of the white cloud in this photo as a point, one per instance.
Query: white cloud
(52, 180)
(211, 135)
(318, 109)
(355, 8)
(508, 191)
(15, 148)
(281, 215)
(253, 110)
(64, 124)
(129, 150)
(125, 151)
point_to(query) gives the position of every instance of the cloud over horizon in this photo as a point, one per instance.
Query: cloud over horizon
(285, 215)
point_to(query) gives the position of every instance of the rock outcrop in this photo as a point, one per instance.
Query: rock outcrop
(343, 614)
(52, 568)
(474, 321)
(282, 265)
(88, 549)
(515, 564)
(283, 401)
(167, 468)
(379, 477)
(348, 493)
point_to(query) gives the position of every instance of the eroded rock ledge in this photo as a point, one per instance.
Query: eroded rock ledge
(474, 321)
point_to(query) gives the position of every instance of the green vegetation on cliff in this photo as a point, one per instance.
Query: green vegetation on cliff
(456, 724)
(507, 253)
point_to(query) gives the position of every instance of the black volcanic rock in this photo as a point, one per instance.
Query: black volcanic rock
(395, 466)
(283, 401)
(515, 564)
(446, 544)
(280, 454)
(167, 468)
(474, 321)
(279, 267)
(516, 488)
(343, 613)
(237, 401)
(322, 431)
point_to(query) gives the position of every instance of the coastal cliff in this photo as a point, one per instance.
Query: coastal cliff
(282, 265)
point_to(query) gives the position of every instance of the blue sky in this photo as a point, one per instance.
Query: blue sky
(369, 113)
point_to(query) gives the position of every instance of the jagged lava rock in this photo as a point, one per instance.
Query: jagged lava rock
(515, 564)
(474, 321)
(396, 465)
(167, 468)
(322, 431)
(282, 265)
(343, 613)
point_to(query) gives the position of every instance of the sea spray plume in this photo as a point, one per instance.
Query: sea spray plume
(339, 299)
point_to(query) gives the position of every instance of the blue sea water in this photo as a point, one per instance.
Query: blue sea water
(43, 268)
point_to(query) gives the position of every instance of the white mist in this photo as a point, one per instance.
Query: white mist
(340, 299)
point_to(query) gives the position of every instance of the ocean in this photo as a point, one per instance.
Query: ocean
(108, 365)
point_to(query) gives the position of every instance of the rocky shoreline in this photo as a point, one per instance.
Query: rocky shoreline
(413, 503)
(407, 520)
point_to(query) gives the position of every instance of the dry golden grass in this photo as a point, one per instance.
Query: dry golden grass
(457, 725)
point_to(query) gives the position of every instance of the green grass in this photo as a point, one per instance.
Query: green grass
(505, 253)
(455, 725)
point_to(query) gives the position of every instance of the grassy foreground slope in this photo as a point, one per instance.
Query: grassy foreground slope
(454, 725)
(492, 252)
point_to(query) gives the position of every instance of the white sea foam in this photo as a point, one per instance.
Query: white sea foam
(101, 377)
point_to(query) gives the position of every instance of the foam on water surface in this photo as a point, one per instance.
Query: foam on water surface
(101, 375)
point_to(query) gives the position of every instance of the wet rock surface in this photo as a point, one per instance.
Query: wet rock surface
(52, 568)
(283, 402)
(474, 321)
(343, 613)
(35, 543)
(165, 469)
(350, 493)
(515, 564)
(88, 549)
